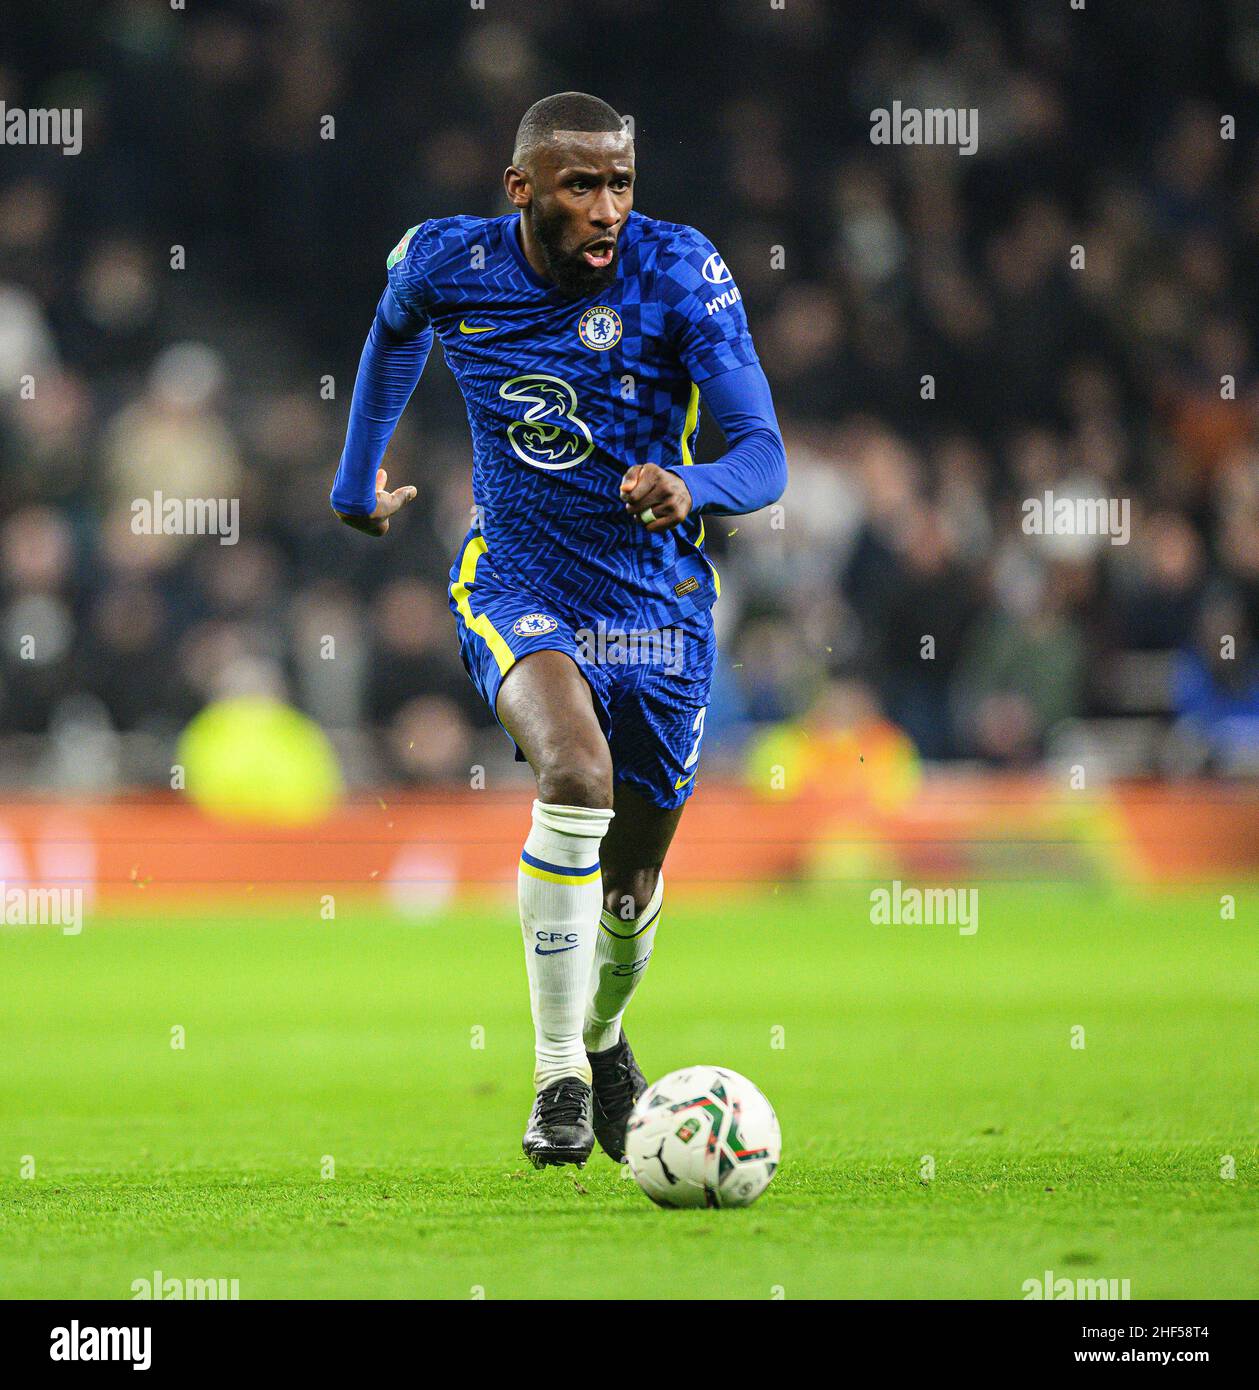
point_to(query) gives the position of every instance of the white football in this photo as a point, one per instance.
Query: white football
(703, 1137)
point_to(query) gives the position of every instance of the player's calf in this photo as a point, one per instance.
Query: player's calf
(546, 705)
(622, 951)
(560, 893)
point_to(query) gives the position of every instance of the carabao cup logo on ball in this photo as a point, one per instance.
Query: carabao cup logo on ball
(600, 328)
(534, 625)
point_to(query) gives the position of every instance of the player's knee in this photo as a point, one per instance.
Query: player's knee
(627, 893)
(582, 778)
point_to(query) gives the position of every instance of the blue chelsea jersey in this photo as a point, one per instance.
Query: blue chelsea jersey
(564, 395)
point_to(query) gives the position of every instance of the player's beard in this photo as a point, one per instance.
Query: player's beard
(572, 274)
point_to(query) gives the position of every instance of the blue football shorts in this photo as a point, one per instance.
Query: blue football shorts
(650, 688)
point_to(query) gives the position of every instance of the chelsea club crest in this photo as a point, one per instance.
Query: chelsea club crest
(534, 625)
(600, 328)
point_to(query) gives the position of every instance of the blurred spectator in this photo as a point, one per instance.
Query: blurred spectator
(1022, 672)
(172, 439)
(1216, 687)
(842, 745)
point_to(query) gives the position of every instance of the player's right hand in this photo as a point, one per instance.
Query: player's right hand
(386, 504)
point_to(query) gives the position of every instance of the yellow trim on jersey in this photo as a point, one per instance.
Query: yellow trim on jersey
(479, 623)
(688, 425)
(688, 429)
(567, 880)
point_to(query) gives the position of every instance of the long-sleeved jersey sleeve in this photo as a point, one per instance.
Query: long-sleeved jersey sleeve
(706, 321)
(752, 472)
(392, 361)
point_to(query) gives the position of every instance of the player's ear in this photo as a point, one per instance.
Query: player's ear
(516, 182)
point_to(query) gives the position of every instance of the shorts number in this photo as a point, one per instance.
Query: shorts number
(697, 728)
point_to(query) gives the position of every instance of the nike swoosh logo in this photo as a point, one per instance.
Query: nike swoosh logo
(464, 328)
(678, 785)
(558, 950)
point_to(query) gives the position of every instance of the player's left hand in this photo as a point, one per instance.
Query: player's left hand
(647, 487)
(387, 503)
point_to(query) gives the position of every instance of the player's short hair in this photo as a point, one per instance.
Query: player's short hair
(563, 111)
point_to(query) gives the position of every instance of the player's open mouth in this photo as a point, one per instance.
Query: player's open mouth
(599, 253)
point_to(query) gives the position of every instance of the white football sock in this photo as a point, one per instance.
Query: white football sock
(561, 894)
(621, 955)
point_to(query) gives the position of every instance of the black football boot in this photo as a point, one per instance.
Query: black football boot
(617, 1085)
(559, 1125)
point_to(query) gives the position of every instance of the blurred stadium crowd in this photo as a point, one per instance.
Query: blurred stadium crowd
(865, 269)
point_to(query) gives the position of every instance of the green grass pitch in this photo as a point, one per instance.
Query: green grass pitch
(877, 1046)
